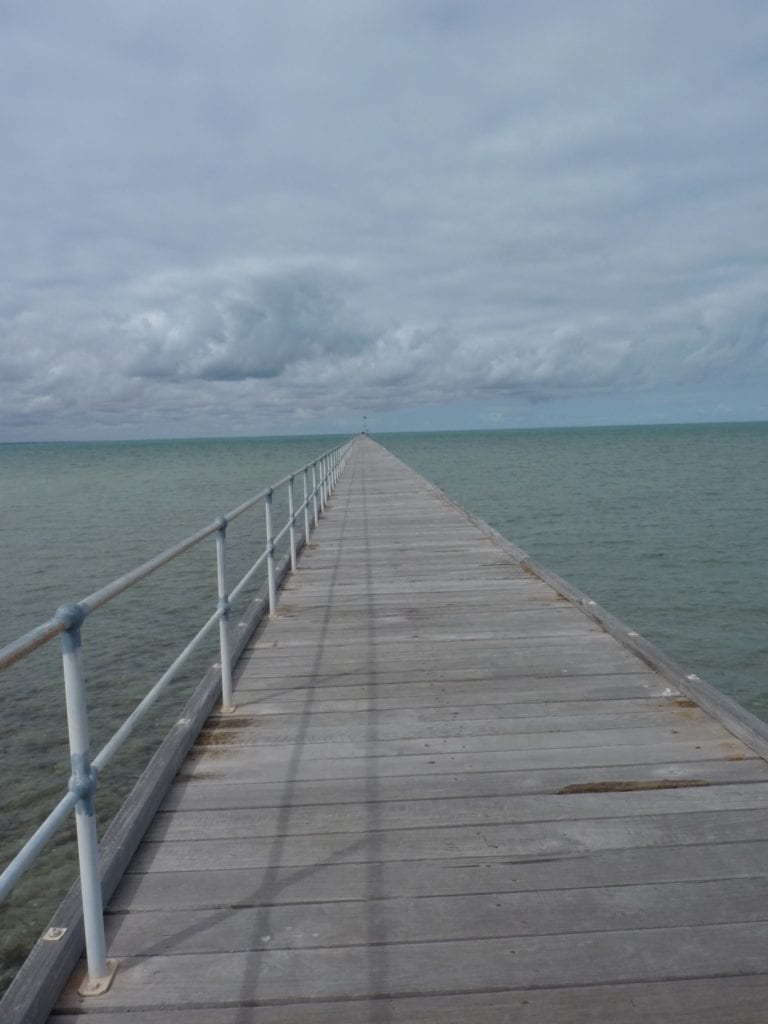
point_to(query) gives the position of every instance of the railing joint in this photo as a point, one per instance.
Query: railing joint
(82, 781)
(72, 616)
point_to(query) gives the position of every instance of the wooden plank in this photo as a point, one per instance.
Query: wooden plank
(439, 677)
(328, 882)
(281, 729)
(563, 838)
(442, 918)
(229, 763)
(249, 789)
(542, 656)
(699, 732)
(340, 713)
(413, 692)
(370, 812)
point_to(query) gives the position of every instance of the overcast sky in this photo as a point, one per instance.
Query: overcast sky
(248, 218)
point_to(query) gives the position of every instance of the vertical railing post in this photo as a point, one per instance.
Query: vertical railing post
(83, 784)
(314, 492)
(292, 527)
(227, 703)
(270, 553)
(323, 482)
(306, 507)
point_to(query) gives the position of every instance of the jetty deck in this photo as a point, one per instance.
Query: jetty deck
(447, 795)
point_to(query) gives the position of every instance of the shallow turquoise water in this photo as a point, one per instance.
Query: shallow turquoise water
(664, 526)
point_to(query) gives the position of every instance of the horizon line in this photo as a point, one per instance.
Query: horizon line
(387, 433)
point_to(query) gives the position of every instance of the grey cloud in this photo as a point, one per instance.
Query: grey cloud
(376, 204)
(256, 329)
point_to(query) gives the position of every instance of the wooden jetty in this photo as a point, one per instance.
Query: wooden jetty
(452, 791)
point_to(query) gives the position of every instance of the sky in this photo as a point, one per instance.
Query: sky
(240, 218)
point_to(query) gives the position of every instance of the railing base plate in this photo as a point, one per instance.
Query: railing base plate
(98, 986)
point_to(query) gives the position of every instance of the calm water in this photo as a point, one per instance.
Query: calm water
(664, 526)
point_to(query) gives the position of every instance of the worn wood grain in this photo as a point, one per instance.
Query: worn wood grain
(446, 874)
(204, 792)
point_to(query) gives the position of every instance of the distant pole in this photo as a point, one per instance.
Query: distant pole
(365, 424)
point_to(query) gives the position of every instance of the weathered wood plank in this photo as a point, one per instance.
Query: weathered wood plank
(341, 713)
(446, 678)
(248, 789)
(536, 656)
(226, 762)
(336, 883)
(698, 732)
(279, 729)
(372, 812)
(397, 919)
(563, 838)
(411, 692)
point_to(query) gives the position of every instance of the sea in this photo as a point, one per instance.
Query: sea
(664, 526)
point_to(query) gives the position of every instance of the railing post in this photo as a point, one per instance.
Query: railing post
(83, 784)
(314, 491)
(270, 553)
(292, 527)
(306, 507)
(323, 482)
(227, 703)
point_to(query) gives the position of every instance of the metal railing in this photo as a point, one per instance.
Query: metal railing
(66, 623)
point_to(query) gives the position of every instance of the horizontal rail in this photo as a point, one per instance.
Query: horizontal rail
(248, 576)
(55, 626)
(66, 624)
(34, 847)
(111, 747)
